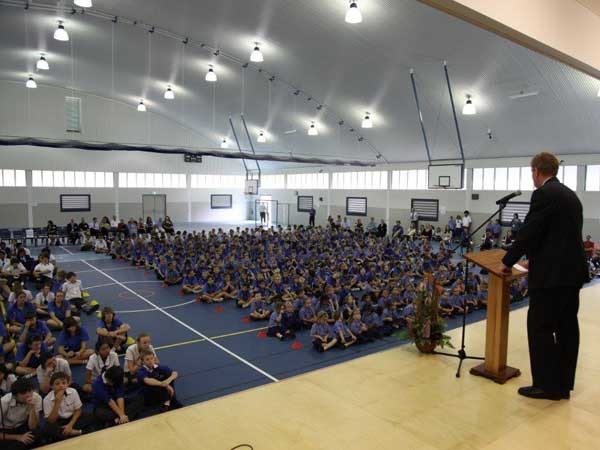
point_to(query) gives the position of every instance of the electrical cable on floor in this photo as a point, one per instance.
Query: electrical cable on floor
(246, 446)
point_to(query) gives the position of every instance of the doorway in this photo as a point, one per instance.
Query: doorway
(155, 206)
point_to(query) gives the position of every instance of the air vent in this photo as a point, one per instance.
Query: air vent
(73, 114)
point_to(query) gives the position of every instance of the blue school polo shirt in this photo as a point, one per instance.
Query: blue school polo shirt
(341, 327)
(102, 393)
(40, 329)
(116, 323)
(320, 329)
(3, 335)
(22, 351)
(158, 372)
(18, 315)
(274, 320)
(72, 343)
(60, 313)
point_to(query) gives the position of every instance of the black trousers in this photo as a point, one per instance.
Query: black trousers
(133, 408)
(553, 335)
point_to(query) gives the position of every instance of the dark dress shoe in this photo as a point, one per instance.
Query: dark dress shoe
(537, 393)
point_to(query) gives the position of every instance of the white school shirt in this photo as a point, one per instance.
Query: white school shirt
(7, 383)
(45, 269)
(72, 290)
(12, 297)
(466, 221)
(133, 354)
(114, 223)
(97, 366)
(40, 299)
(16, 414)
(101, 244)
(70, 403)
(62, 365)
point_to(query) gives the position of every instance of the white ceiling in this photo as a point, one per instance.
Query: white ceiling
(307, 44)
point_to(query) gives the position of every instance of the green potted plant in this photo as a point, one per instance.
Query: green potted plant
(426, 328)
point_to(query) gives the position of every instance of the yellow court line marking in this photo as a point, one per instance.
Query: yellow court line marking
(194, 341)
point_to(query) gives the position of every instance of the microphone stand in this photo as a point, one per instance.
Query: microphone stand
(461, 353)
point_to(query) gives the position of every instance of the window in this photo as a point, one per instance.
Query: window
(514, 178)
(152, 180)
(370, 180)
(356, 206)
(410, 179)
(273, 181)
(12, 178)
(305, 203)
(221, 201)
(501, 179)
(568, 176)
(217, 181)
(59, 179)
(307, 181)
(592, 178)
(526, 181)
(477, 179)
(428, 209)
(73, 114)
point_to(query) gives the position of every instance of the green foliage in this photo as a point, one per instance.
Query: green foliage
(427, 327)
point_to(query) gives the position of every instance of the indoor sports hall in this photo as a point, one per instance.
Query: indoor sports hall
(299, 224)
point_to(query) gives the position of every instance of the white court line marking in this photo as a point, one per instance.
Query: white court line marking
(183, 324)
(112, 269)
(124, 282)
(152, 309)
(68, 251)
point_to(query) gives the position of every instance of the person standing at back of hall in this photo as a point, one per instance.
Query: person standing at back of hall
(551, 238)
(263, 213)
(414, 218)
(311, 216)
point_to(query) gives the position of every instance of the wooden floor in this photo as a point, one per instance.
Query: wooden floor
(397, 399)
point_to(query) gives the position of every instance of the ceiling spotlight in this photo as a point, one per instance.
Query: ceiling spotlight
(256, 55)
(141, 107)
(224, 143)
(169, 94)
(469, 108)
(31, 84)
(312, 129)
(211, 75)
(83, 3)
(353, 14)
(261, 137)
(367, 122)
(42, 64)
(60, 34)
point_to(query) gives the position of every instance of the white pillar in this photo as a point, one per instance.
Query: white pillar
(387, 200)
(189, 197)
(328, 193)
(28, 182)
(116, 195)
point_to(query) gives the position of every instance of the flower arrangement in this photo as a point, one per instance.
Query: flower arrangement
(426, 328)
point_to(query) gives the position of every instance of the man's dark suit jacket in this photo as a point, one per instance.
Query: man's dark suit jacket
(551, 237)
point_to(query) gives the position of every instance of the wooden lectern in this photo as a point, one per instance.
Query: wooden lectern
(496, 340)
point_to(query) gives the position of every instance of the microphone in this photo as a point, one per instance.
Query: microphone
(508, 197)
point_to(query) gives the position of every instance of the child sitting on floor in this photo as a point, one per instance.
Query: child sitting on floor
(342, 332)
(321, 334)
(158, 383)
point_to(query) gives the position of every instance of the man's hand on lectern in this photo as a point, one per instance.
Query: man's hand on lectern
(505, 269)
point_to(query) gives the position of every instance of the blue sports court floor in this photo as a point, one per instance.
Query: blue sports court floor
(215, 348)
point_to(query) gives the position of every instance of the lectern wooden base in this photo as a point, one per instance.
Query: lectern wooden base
(496, 335)
(501, 377)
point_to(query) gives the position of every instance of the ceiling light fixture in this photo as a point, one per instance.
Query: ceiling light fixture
(353, 14)
(42, 64)
(224, 143)
(141, 107)
(367, 122)
(469, 108)
(256, 55)
(261, 137)
(211, 76)
(31, 84)
(169, 94)
(312, 129)
(83, 3)
(60, 34)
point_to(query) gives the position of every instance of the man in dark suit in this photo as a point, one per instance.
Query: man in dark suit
(551, 238)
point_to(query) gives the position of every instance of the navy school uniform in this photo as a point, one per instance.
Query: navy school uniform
(34, 361)
(155, 395)
(72, 342)
(102, 393)
(373, 323)
(18, 314)
(59, 312)
(323, 330)
(386, 327)
(340, 327)
(356, 326)
(306, 314)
